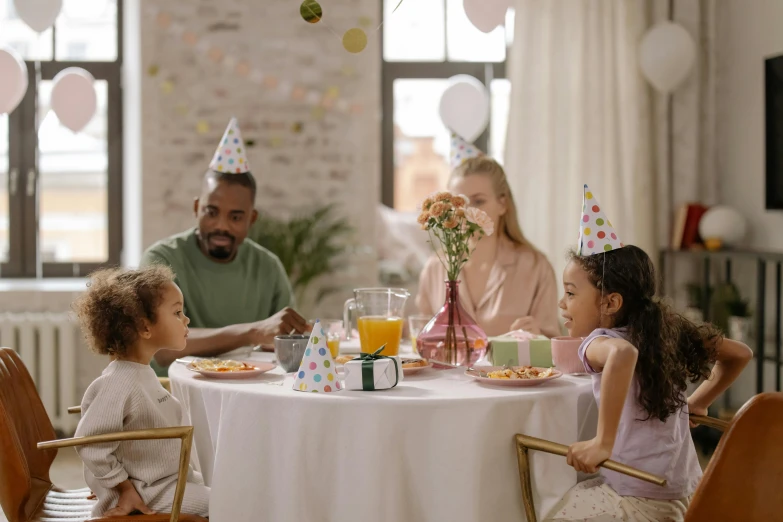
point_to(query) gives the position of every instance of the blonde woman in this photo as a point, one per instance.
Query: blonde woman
(507, 284)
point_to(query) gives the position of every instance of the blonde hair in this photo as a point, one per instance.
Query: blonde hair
(508, 223)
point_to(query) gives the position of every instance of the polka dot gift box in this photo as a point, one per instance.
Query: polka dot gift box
(317, 373)
(462, 151)
(231, 155)
(596, 234)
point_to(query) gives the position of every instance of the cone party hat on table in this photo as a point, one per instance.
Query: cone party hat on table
(596, 233)
(317, 373)
(461, 151)
(230, 155)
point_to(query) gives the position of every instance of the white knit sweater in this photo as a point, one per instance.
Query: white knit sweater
(128, 396)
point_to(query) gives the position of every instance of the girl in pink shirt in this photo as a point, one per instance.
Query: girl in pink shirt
(641, 356)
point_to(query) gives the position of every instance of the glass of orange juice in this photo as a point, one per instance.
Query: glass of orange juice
(379, 313)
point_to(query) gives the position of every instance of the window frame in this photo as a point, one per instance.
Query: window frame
(485, 72)
(24, 260)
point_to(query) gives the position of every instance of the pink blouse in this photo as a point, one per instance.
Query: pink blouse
(521, 282)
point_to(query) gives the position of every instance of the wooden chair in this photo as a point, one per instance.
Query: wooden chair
(27, 450)
(742, 482)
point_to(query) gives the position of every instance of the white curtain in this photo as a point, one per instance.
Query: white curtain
(580, 113)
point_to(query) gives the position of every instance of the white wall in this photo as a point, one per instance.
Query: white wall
(748, 32)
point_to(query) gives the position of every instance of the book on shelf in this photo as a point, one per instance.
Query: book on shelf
(685, 231)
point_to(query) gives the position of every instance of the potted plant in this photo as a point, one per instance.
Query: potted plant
(696, 300)
(739, 320)
(309, 246)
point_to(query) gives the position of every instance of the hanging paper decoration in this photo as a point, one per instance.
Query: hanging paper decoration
(355, 40)
(38, 14)
(464, 107)
(311, 11)
(13, 72)
(74, 100)
(486, 15)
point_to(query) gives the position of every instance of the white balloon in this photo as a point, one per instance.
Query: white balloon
(38, 14)
(666, 56)
(486, 15)
(724, 223)
(13, 72)
(464, 107)
(74, 100)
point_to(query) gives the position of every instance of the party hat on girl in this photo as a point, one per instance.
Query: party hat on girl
(317, 373)
(231, 155)
(596, 233)
(462, 151)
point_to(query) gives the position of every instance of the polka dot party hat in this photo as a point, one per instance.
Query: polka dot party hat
(596, 233)
(317, 373)
(231, 155)
(461, 151)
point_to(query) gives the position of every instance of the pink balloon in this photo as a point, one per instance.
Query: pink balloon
(13, 85)
(73, 98)
(486, 15)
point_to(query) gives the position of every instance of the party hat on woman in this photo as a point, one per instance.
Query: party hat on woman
(596, 233)
(231, 155)
(461, 151)
(317, 373)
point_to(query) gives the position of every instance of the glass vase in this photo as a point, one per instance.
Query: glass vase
(452, 336)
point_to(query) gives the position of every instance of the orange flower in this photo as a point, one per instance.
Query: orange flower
(460, 212)
(438, 209)
(443, 196)
(427, 203)
(459, 201)
(423, 218)
(452, 222)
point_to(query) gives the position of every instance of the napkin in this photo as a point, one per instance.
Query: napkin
(317, 372)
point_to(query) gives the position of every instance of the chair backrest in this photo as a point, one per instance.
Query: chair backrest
(24, 470)
(744, 481)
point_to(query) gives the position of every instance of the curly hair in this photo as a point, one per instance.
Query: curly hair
(671, 349)
(117, 302)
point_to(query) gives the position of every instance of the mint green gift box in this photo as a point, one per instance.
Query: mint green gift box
(534, 352)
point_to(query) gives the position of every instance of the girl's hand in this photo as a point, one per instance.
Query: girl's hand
(696, 410)
(528, 324)
(129, 502)
(586, 456)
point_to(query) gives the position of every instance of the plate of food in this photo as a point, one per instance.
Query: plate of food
(412, 366)
(229, 369)
(513, 376)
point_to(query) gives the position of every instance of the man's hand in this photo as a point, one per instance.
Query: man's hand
(586, 456)
(129, 502)
(285, 322)
(528, 324)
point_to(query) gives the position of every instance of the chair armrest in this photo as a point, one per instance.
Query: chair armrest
(525, 443)
(184, 433)
(74, 410)
(711, 422)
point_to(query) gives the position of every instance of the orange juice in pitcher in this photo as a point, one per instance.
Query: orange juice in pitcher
(375, 332)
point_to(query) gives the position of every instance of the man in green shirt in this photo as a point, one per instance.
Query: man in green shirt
(236, 292)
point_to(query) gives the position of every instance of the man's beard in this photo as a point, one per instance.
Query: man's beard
(221, 252)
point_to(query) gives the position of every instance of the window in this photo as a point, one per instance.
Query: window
(425, 43)
(60, 192)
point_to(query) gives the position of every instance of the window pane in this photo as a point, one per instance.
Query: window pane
(73, 187)
(15, 33)
(421, 142)
(500, 91)
(468, 44)
(4, 215)
(415, 32)
(87, 30)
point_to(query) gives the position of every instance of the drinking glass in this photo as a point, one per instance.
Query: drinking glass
(415, 325)
(379, 314)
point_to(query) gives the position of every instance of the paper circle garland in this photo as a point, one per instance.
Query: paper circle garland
(74, 100)
(13, 72)
(666, 56)
(311, 11)
(38, 14)
(355, 40)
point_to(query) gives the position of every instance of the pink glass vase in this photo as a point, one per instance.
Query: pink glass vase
(452, 336)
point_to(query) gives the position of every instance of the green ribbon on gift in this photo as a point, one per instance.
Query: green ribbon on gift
(368, 368)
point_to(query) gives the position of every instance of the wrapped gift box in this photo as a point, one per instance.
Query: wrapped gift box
(521, 352)
(377, 374)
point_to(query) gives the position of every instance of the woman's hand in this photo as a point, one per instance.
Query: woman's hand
(129, 502)
(696, 410)
(528, 324)
(586, 456)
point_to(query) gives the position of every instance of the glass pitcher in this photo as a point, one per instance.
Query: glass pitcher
(379, 313)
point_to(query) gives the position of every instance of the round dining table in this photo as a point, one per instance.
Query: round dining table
(439, 447)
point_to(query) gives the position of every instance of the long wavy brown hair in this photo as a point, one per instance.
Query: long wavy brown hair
(672, 350)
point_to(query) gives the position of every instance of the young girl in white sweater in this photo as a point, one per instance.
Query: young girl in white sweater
(129, 315)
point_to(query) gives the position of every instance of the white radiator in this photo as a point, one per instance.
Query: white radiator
(47, 344)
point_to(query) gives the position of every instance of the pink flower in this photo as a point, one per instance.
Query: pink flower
(480, 218)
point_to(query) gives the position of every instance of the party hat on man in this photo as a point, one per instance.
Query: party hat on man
(596, 234)
(231, 155)
(462, 151)
(317, 373)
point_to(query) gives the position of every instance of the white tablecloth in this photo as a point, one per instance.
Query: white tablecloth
(438, 447)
